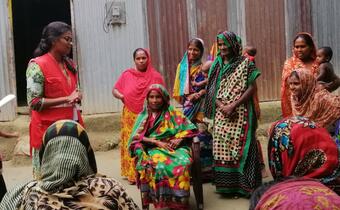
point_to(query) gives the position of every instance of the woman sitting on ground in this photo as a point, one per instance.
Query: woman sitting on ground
(312, 100)
(299, 147)
(160, 143)
(68, 176)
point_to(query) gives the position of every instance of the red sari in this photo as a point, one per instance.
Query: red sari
(298, 147)
(55, 85)
(133, 84)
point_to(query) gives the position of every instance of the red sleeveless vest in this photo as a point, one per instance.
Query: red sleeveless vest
(55, 86)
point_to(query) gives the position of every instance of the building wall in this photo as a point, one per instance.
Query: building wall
(7, 75)
(168, 35)
(266, 32)
(326, 28)
(103, 55)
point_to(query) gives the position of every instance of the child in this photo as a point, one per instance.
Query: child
(326, 76)
(250, 52)
(193, 101)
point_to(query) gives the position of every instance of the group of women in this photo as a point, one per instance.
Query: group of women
(303, 147)
(156, 137)
(226, 96)
(159, 144)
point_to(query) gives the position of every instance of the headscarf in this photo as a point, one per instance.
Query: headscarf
(290, 65)
(315, 103)
(134, 83)
(184, 72)
(218, 68)
(299, 147)
(313, 53)
(170, 124)
(299, 193)
(66, 155)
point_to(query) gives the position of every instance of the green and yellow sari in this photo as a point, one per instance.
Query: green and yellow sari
(163, 175)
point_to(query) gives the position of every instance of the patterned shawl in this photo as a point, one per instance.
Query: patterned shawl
(290, 65)
(183, 74)
(68, 179)
(316, 103)
(298, 147)
(133, 84)
(298, 193)
(170, 124)
(218, 68)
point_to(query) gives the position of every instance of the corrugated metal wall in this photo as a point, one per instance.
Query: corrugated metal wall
(7, 75)
(266, 32)
(168, 35)
(268, 25)
(211, 20)
(102, 56)
(326, 28)
(236, 18)
(298, 16)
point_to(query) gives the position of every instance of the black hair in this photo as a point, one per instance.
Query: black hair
(251, 50)
(198, 43)
(327, 51)
(308, 39)
(136, 50)
(50, 33)
(295, 74)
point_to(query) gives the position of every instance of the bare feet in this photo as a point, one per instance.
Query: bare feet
(9, 135)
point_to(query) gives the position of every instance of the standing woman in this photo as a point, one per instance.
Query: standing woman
(185, 91)
(304, 56)
(229, 102)
(51, 85)
(131, 89)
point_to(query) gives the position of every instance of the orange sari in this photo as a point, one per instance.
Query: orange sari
(290, 65)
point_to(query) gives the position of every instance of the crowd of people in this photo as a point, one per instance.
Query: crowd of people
(220, 94)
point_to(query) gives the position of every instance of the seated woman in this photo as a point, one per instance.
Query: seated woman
(159, 141)
(68, 176)
(294, 193)
(299, 147)
(312, 100)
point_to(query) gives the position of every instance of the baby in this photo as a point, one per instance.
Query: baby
(250, 52)
(199, 82)
(327, 76)
(192, 103)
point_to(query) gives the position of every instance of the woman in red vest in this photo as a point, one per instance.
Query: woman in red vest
(52, 91)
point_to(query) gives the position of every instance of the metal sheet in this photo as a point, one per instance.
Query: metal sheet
(266, 32)
(326, 28)
(298, 18)
(103, 56)
(211, 19)
(168, 35)
(236, 18)
(7, 75)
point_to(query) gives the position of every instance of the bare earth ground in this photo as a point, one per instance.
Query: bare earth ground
(103, 131)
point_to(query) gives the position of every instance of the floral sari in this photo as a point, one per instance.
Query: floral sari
(163, 175)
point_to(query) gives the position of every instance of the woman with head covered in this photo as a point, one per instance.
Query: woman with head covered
(68, 176)
(229, 101)
(160, 141)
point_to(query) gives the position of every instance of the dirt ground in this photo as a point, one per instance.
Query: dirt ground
(103, 131)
